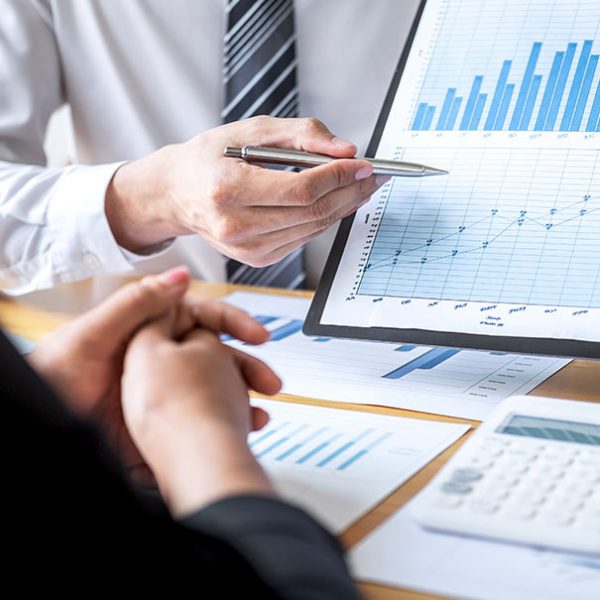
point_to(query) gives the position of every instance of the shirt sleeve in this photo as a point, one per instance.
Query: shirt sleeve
(286, 547)
(53, 225)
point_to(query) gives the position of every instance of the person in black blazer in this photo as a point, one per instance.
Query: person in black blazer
(141, 387)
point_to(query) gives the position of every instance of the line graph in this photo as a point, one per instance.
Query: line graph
(508, 225)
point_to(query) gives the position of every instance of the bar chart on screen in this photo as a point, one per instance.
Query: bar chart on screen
(439, 380)
(512, 69)
(338, 463)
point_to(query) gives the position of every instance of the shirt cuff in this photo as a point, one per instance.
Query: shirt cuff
(83, 243)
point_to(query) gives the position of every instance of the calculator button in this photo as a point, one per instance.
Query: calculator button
(455, 487)
(556, 463)
(466, 475)
(492, 493)
(523, 513)
(483, 506)
(581, 489)
(516, 467)
(481, 462)
(587, 463)
(530, 497)
(448, 502)
(522, 453)
(553, 474)
(558, 518)
(564, 504)
(589, 475)
(497, 441)
(490, 451)
(538, 485)
(505, 480)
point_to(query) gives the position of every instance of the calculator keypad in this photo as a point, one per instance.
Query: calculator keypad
(547, 484)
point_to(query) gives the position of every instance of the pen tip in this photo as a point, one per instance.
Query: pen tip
(434, 171)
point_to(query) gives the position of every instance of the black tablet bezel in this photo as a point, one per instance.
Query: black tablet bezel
(313, 326)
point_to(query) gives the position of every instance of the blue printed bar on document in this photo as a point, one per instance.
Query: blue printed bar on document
(315, 447)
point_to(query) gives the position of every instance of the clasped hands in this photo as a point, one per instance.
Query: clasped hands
(148, 368)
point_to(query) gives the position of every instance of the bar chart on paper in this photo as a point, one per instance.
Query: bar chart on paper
(438, 380)
(338, 463)
(516, 72)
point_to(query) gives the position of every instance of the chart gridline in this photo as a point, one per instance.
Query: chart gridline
(509, 225)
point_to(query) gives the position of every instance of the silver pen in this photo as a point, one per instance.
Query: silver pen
(293, 158)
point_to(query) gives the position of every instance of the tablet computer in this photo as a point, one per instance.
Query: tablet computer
(504, 252)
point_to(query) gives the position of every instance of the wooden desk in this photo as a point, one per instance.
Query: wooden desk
(579, 380)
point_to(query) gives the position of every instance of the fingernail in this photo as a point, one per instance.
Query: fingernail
(175, 277)
(381, 179)
(363, 173)
(341, 143)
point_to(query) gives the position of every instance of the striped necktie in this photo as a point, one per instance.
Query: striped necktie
(260, 79)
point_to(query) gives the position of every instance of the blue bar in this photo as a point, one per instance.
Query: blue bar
(506, 98)
(474, 124)
(339, 451)
(272, 446)
(533, 92)
(441, 124)
(543, 112)
(427, 120)
(473, 96)
(560, 87)
(525, 85)
(565, 124)
(289, 451)
(305, 441)
(362, 453)
(265, 319)
(317, 449)
(443, 356)
(425, 361)
(264, 436)
(453, 113)
(584, 93)
(322, 339)
(286, 330)
(595, 112)
(491, 118)
(405, 348)
(499, 353)
(419, 116)
(352, 459)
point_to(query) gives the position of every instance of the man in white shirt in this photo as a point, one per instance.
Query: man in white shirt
(142, 78)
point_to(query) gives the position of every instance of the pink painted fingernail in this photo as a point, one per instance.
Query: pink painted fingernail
(175, 277)
(363, 173)
(341, 143)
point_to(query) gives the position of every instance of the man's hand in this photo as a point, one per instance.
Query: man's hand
(83, 361)
(185, 400)
(250, 213)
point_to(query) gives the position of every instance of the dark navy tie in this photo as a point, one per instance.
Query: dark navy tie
(260, 79)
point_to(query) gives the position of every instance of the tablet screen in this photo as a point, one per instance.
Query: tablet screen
(505, 95)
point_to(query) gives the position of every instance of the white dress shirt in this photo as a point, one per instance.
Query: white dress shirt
(139, 74)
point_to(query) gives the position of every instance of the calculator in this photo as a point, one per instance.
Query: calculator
(530, 474)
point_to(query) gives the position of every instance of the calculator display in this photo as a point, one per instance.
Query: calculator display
(551, 429)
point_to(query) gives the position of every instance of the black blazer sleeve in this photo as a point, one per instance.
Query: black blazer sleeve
(298, 558)
(72, 524)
